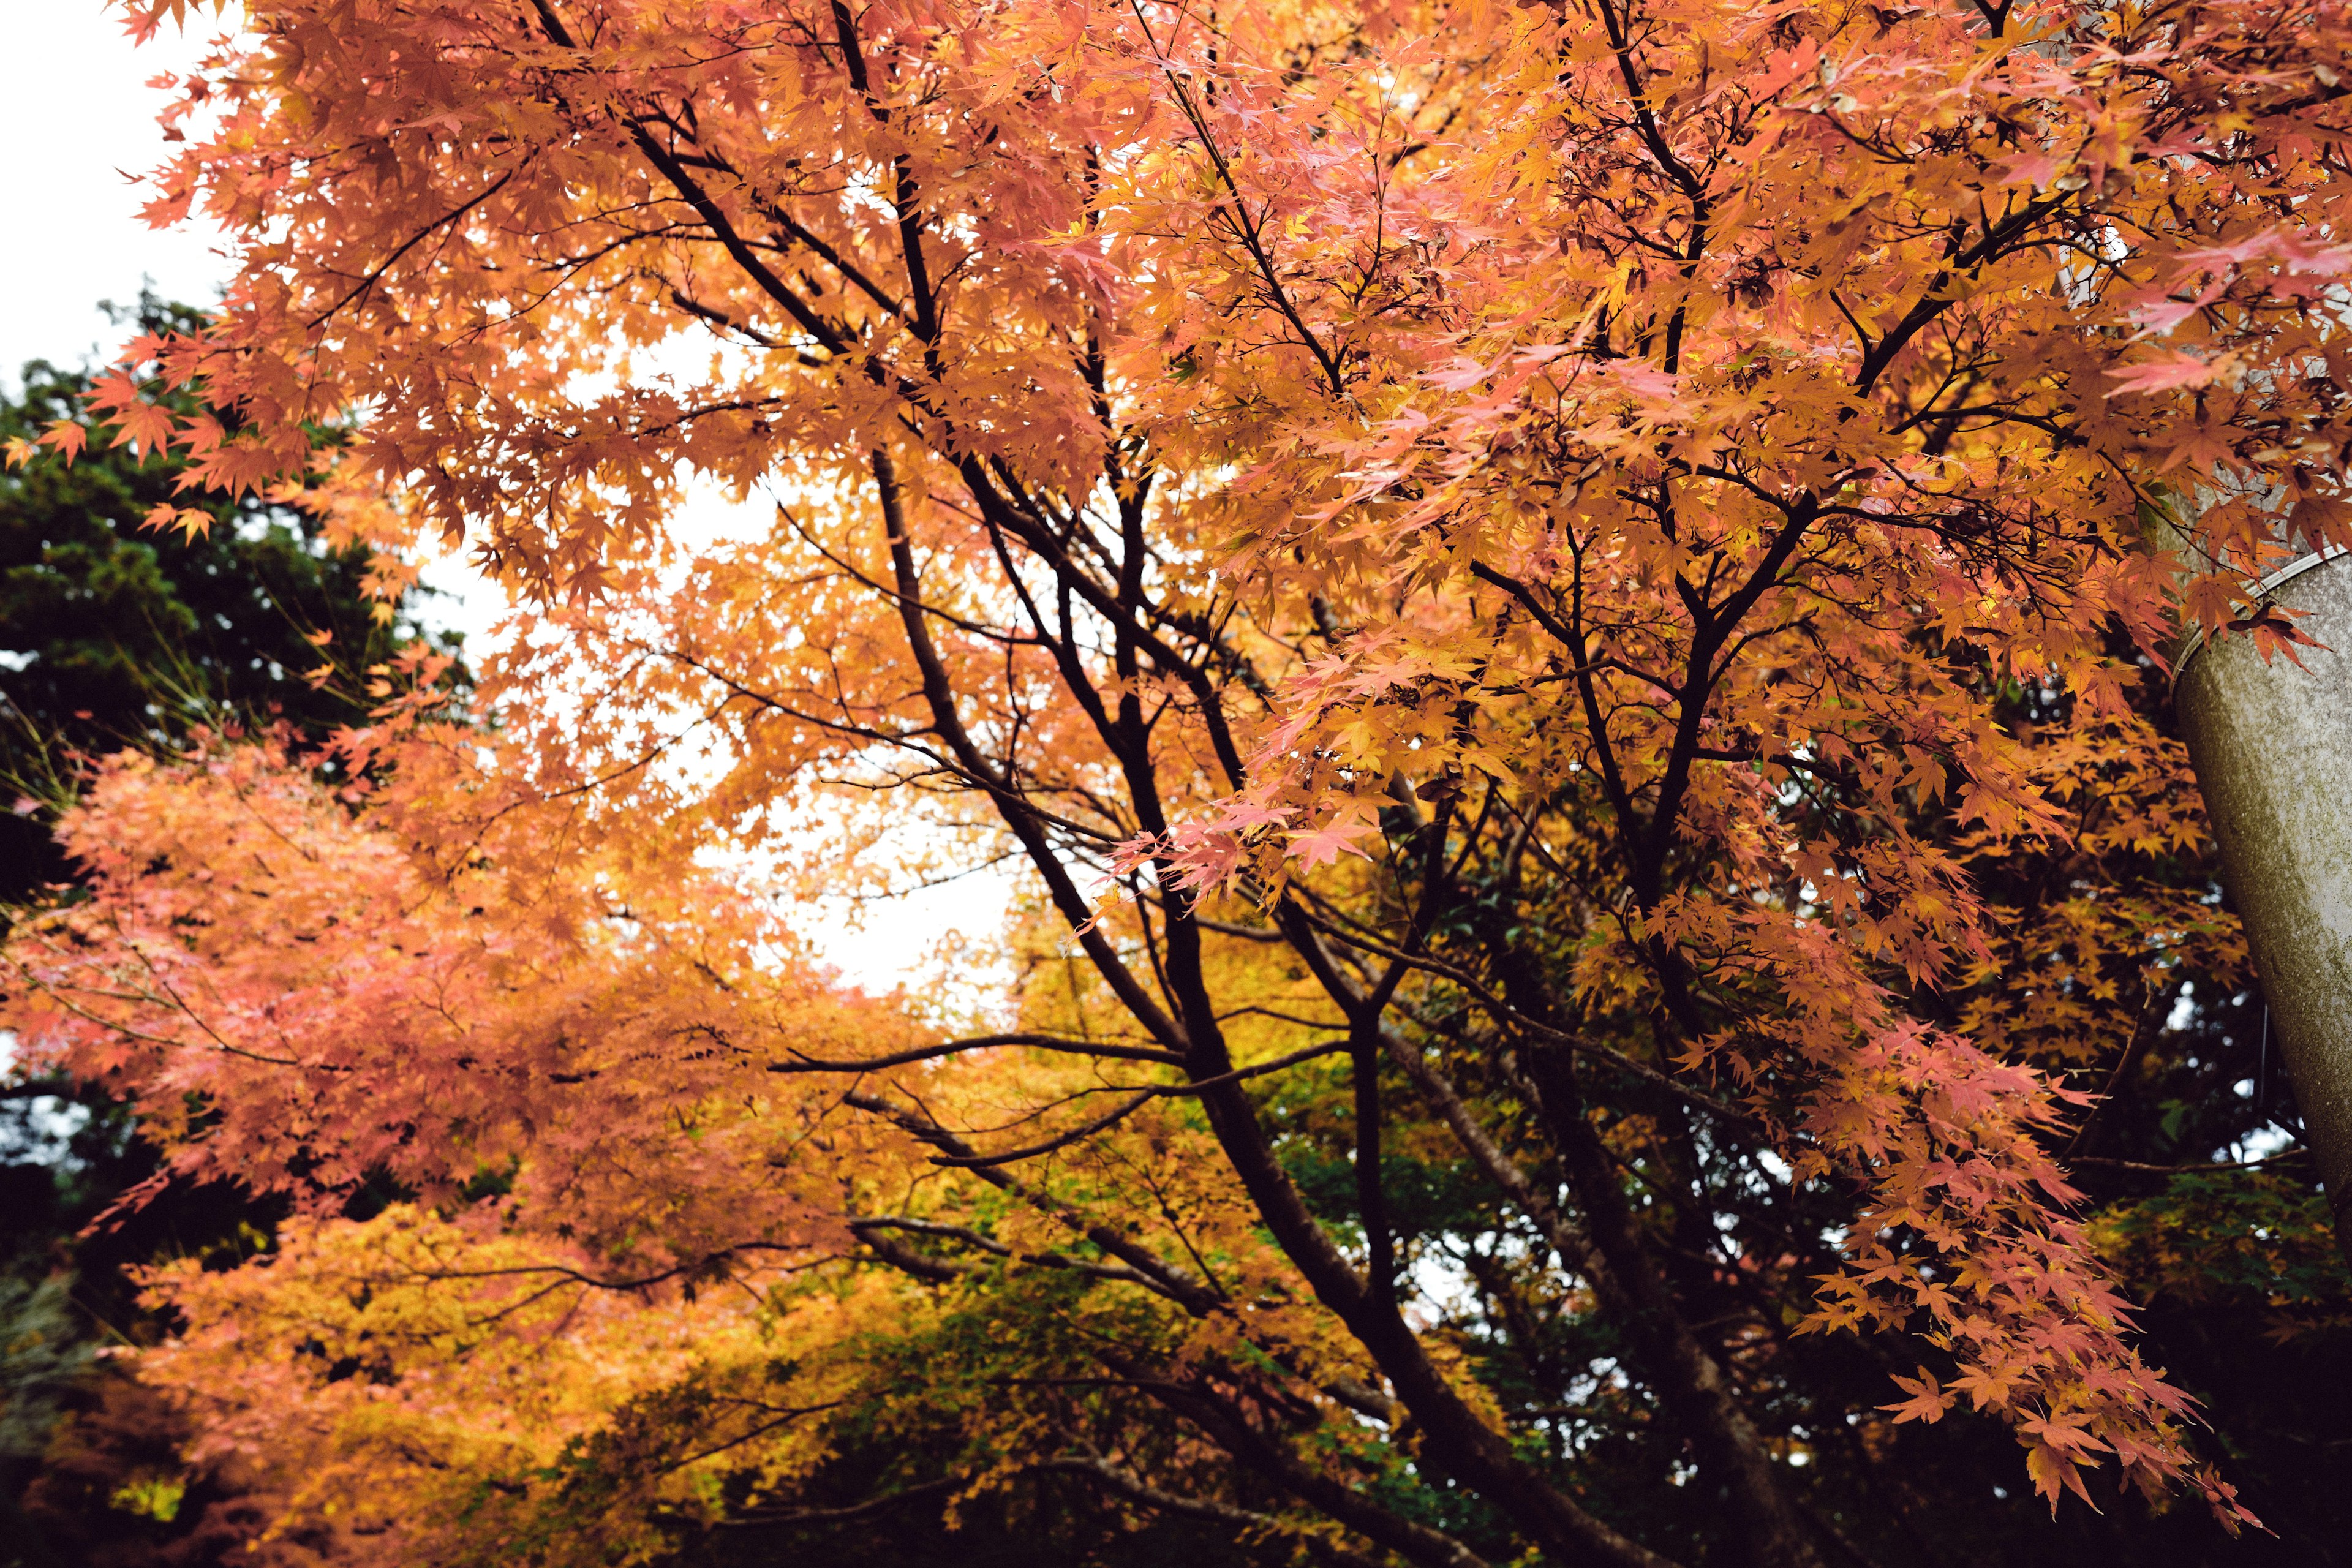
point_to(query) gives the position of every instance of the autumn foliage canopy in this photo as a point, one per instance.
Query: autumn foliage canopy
(1554, 607)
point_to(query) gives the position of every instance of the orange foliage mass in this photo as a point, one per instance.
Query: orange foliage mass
(1527, 586)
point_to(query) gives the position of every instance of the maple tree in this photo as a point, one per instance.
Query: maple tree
(1556, 605)
(119, 635)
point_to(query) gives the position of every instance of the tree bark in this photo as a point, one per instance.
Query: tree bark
(2272, 744)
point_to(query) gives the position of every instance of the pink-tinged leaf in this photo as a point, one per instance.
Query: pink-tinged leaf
(1325, 844)
(1244, 815)
(1460, 376)
(2158, 319)
(1126, 857)
(1644, 380)
(2173, 370)
(2035, 168)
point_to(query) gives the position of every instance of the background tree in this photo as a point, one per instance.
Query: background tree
(1576, 572)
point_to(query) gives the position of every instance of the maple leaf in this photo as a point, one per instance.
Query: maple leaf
(2204, 448)
(1321, 846)
(2274, 632)
(2163, 375)
(1927, 1402)
(65, 437)
(144, 428)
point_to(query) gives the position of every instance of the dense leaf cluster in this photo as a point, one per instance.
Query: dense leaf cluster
(1614, 960)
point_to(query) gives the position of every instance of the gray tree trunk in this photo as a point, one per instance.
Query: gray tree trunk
(2272, 744)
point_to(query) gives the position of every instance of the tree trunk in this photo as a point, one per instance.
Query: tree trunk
(2272, 744)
